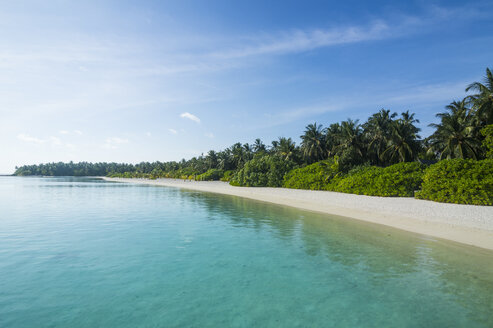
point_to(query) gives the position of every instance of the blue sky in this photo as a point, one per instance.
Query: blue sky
(132, 81)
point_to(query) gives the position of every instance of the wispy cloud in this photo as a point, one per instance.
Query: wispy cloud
(28, 138)
(303, 40)
(172, 131)
(114, 142)
(300, 40)
(209, 135)
(63, 132)
(191, 117)
(53, 141)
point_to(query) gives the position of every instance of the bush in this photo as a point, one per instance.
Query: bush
(210, 175)
(399, 180)
(227, 175)
(461, 181)
(487, 132)
(315, 176)
(262, 171)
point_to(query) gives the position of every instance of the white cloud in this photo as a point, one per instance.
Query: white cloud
(209, 135)
(78, 132)
(28, 138)
(189, 116)
(173, 131)
(301, 40)
(149, 134)
(53, 141)
(114, 142)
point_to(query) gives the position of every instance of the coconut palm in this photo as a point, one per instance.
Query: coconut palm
(286, 148)
(332, 138)
(240, 155)
(351, 148)
(455, 134)
(225, 159)
(377, 132)
(408, 120)
(351, 137)
(403, 144)
(313, 143)
(211, 159)
(274, 146)
(483, 101)
(258, 146)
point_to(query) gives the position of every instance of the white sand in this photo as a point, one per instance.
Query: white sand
(467, 224)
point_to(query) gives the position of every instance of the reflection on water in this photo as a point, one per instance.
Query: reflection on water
(83, 252)
(465, 273)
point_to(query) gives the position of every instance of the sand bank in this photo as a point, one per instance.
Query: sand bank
(467, 224)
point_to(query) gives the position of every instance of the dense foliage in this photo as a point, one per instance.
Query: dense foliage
(315, 176)
(487, 133)
(462, 181)
(210, 175)
(263, 171)
(327, 156)
(74, 169)
(396, 180)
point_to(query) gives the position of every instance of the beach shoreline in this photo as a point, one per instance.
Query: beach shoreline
(466, 224)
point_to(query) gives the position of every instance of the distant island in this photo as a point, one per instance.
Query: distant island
(384, 156)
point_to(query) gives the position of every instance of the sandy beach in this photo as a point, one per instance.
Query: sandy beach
(466, 224)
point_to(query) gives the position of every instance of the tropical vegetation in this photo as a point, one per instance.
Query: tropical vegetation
(398, 180)
(463, 181)
(384, 156)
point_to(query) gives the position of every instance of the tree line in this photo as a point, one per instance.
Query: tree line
(464, 130)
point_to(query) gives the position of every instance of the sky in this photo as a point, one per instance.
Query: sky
(132, 81)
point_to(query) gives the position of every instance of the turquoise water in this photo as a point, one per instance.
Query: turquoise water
(79, 252)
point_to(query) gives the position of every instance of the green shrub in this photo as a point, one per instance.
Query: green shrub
(227, 175)
(314, 176)
(461, 181)
(399, 180)
(487, 132)
(210, 175)
(262, 171)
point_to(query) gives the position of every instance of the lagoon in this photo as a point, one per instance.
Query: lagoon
(83, 252)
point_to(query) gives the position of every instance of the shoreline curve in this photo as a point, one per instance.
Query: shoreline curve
(466, 224)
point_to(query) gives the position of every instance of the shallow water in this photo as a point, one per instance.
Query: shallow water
(80, 252)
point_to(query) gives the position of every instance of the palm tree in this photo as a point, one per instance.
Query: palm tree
(286, 148)
(350, 148)
(274, 146)
(403, 144)
(248, 152)
(258, 146)
(377, 132)
(240, 156)
(408, 120)
(332, 137)
(351, 137)
(483, 101)
(211, 159)
(225, 159)
(313, 143)
(455, 134)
